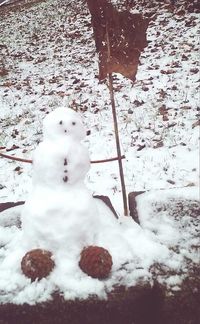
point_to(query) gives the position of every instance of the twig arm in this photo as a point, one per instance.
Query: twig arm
(15, 158)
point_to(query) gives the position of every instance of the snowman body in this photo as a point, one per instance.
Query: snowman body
(60, 163)
(60, 210)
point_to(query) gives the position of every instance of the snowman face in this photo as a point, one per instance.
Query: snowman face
(63, 122)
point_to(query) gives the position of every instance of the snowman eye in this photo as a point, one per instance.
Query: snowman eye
(61, 122)
(65, 131)
(73, 123)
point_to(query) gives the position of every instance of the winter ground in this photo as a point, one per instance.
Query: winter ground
(48, 53)
(48, 60)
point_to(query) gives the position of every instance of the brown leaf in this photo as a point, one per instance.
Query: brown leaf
(186, 107)
(141, 147)
(163, 110)
(194, 70)
(167, 71)
(190, 184)
(40, 60)
(61, 94)
(14, 147)
(171, 182)
(197, 123)
(165, 118)
(8, 84)
(172, 125)
(17, 169)
(159, 144)
(119, 36)
(3, 72)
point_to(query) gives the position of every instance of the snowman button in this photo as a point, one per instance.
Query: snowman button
(65, 179)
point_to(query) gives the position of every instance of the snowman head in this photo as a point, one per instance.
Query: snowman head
(63, 122)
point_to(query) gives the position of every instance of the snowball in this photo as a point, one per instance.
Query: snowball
(56, 219)
(61, 162)
(63, 122)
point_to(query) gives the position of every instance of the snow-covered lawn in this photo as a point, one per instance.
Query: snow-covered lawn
(48, 60)
(49, 54)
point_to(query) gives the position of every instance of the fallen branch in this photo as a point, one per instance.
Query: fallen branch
(15, 158)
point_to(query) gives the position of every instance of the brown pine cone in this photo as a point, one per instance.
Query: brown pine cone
(37, 264)
(96, 262)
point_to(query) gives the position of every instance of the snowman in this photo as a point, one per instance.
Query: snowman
(60, 210)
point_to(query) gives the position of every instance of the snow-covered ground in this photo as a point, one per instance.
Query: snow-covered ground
(48, 60)
(49, 53)
(61, 216)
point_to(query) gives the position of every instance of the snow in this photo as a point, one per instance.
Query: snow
(162, 223)
(124, 239)
(67, 77)
(62, 71)
(170, 215)
(62, 217)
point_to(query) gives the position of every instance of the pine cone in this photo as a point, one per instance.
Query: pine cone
(96, 262)
(37, 264)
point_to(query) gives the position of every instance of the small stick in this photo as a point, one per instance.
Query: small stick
(15, 158)
(124, 195)
(108, 160)
(114, 114)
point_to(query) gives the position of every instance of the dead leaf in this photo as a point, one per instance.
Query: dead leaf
(159, 144)
(197, 123)
(194, 70)
(167, 71)
(186, 107)
(191, 184)
(14, 147)
(171, 182)
(163, 110)
(141, 147)
(3, 72)
(119, 36)
(165, 118)
(171, 125)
